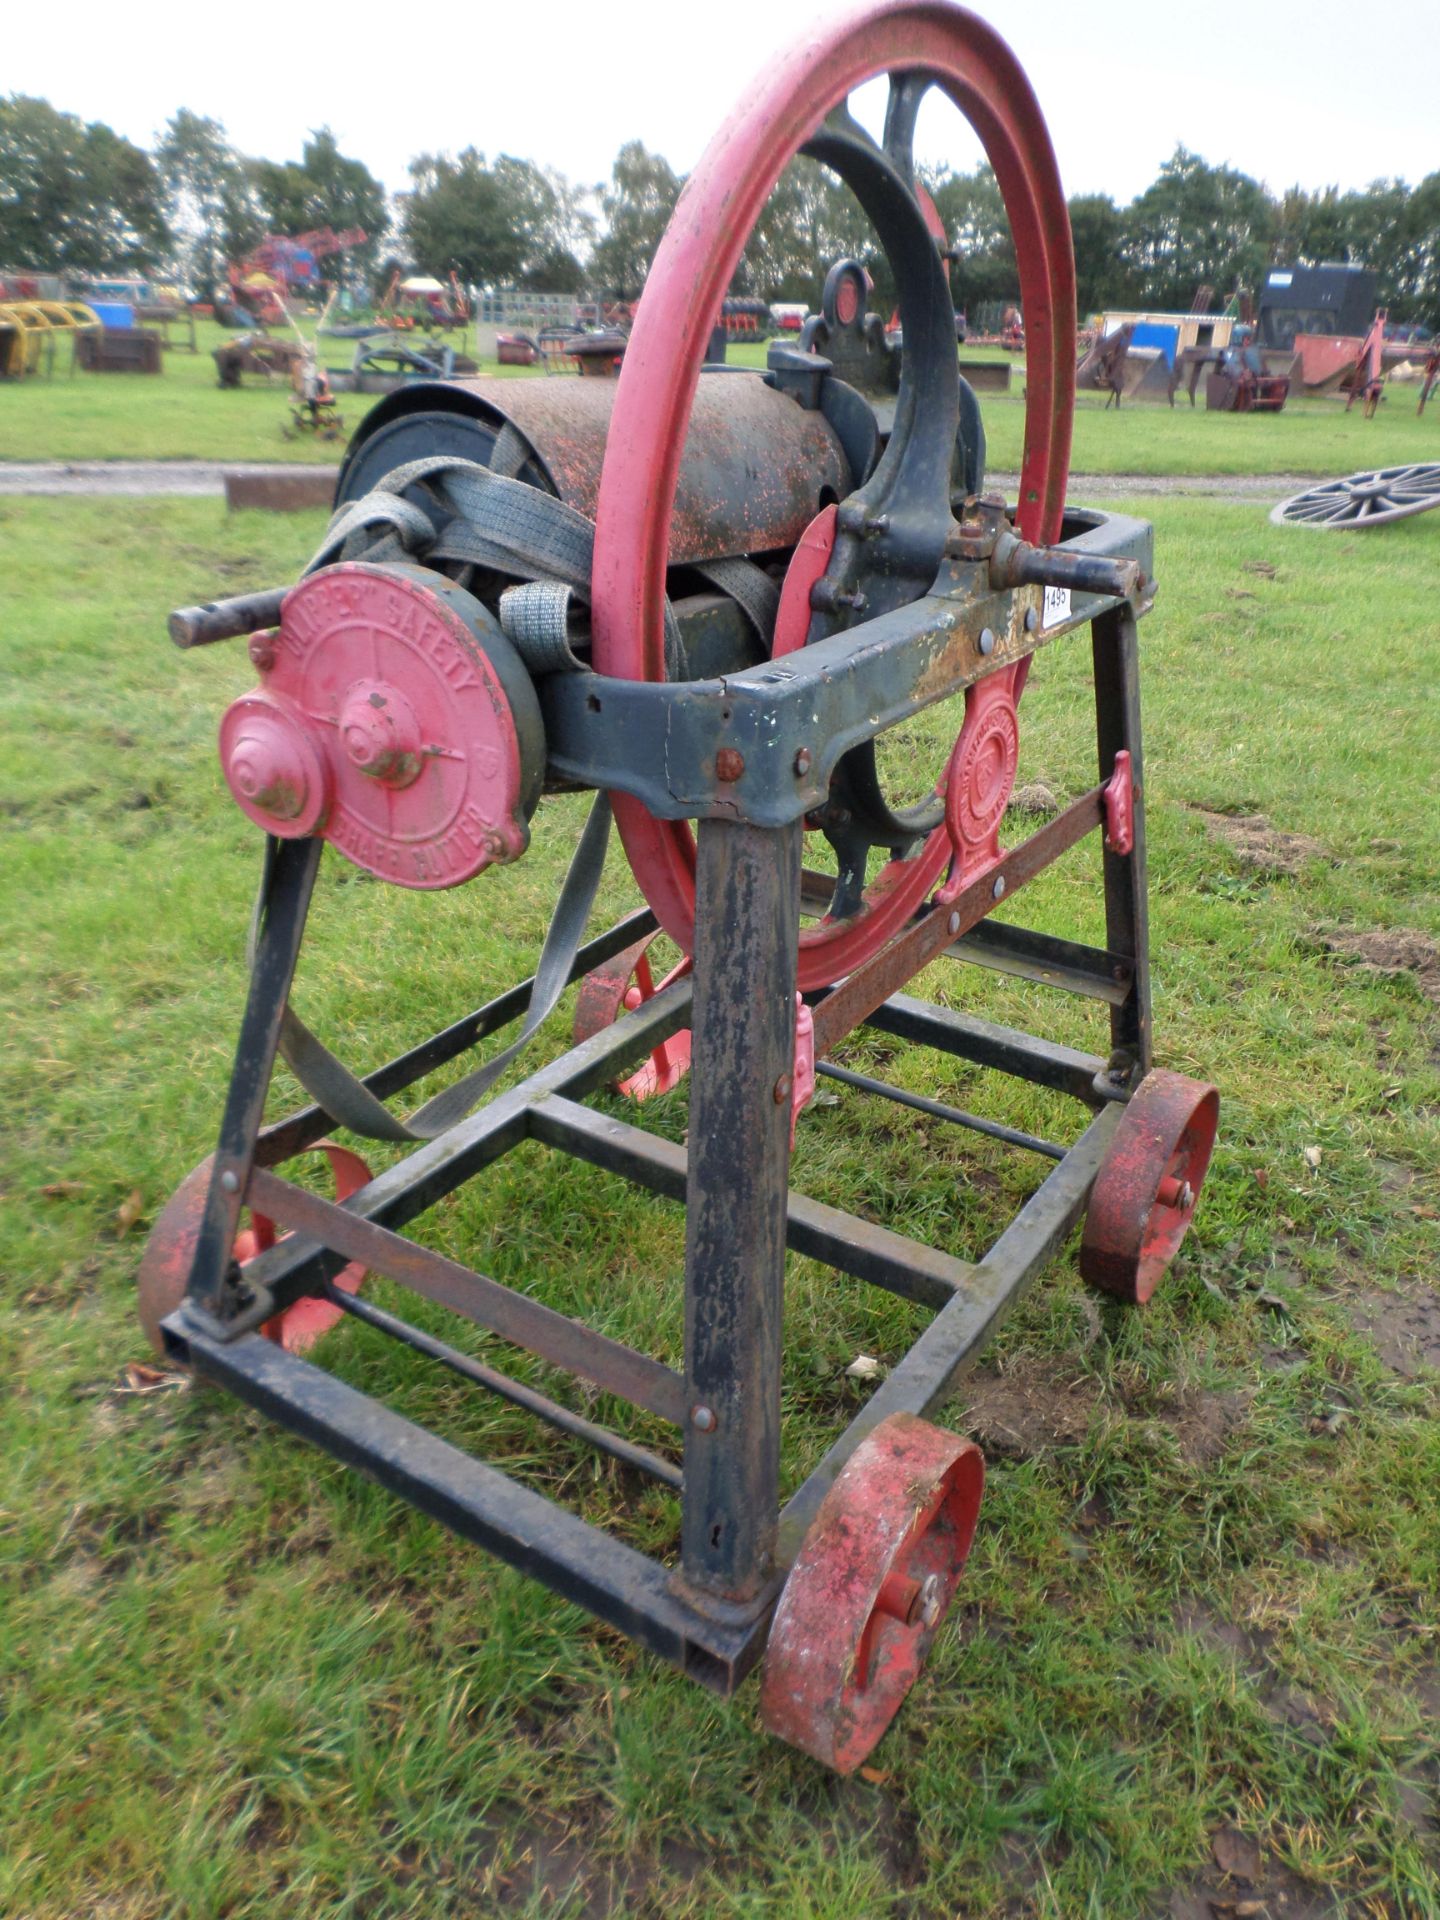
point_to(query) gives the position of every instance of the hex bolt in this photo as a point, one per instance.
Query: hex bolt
(262, 653)
(703, 1418)
(802, 762)
(931, 1605)
(782, 1089)
(914, 1603)
(999, 887)
(987, 640)
(230, 1181)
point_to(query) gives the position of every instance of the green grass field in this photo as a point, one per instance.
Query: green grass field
(1201, 1613)
(183, 415)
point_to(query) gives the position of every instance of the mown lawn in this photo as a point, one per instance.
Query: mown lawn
(183, 415)
(1201, 1616)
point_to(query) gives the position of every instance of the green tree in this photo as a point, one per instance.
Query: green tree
(810, 221)
(551, 219)
(324, 188)
(1197, 225)
(1097, 229)
(636, 206)
(456, 220)
(214, 212)
(1396, 230)
(973, 210)
(74, 194)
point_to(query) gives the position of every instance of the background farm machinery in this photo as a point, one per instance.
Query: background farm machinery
(285, 267)
(708, 599)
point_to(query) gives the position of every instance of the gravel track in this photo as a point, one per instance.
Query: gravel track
(204, 479)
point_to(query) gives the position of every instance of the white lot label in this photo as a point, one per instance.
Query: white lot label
(1056, 608)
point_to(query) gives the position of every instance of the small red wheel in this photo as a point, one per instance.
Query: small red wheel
(165, 1264)
(865, 1598)
(1144, 1196)
(619, 986)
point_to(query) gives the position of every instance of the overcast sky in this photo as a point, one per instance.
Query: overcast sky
(1314, 91)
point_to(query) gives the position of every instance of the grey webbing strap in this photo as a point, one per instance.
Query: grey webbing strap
(752, 590)
(494, 522)
(346, 1098)
(536, 620)
(510, 452)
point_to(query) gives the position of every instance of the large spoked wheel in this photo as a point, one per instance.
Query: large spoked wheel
(170, 1250)
(867, 1595)
(798, 106)
(1360, 500)
(1144, 1196)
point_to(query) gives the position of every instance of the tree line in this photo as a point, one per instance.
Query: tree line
(74, 194)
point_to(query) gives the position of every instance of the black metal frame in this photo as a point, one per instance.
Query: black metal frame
(710, 1613)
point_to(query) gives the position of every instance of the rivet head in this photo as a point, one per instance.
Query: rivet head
(954, 923)
(702, 1418)
(230, 1181)
(999, 887)
(987, 640)
(782, 1089)
(262, 653)
(802, 760)
(1032, 619)
(729, 765)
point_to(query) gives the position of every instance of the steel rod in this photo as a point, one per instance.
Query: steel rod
(1004, 1049)
(925, 1377)
(515, 1391)
(939, 1111)
(1047, 960)
(858, 1247)
(579, 1561)
(514, 1316)
(226, 619)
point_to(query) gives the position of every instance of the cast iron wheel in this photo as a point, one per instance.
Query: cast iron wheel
(799, 105)
(869, 1589)
(165, 1263)
(1360, 500)
(1144, 1196)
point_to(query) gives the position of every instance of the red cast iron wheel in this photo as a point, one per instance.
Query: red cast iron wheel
(165, 1264)
(870, 1588)
(1144, 1196)
(965, 59)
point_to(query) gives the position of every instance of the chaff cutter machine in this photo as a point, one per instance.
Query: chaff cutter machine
(706, 595)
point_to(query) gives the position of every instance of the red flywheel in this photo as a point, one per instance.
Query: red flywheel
(911, 40)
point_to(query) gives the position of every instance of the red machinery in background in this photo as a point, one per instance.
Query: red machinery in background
(283, 265)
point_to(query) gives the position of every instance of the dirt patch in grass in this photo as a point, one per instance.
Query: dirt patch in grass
(1033, 1407)
(533, 1864)
(1274, 1894)
(1036, 1406)
(1403, 1325)
(1392, 950)
(1259, 846)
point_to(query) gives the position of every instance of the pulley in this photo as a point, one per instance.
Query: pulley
(393, 719)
